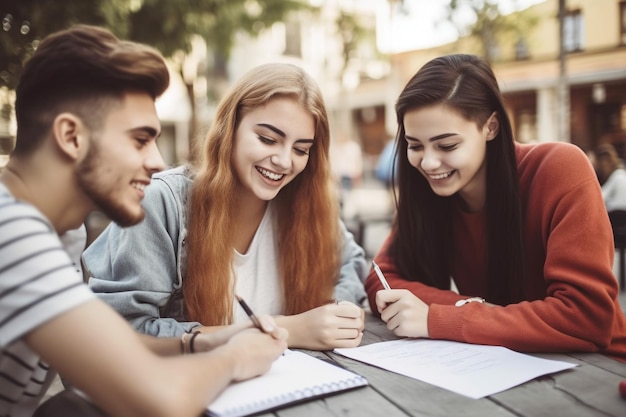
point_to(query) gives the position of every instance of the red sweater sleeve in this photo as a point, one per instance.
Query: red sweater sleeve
(571, 291)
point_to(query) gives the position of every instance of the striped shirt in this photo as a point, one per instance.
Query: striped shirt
(37, 282)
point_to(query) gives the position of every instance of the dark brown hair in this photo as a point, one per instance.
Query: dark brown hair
(467, 85)
(82, 70)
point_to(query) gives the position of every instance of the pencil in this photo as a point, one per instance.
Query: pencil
(250, 313)
(381, 277)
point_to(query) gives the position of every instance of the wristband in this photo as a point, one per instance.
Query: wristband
(469, 300)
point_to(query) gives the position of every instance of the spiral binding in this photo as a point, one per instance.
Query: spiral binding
(294, 396)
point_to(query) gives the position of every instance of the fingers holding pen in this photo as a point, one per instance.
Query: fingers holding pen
(405, 314)
(384, 298)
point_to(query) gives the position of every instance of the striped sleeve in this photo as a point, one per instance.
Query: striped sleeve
(37, 278)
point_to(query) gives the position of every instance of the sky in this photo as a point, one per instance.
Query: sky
(424, 25)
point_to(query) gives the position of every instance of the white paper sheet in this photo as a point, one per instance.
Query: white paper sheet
(475, 371)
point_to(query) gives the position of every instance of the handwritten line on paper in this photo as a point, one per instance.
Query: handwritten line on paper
(456, 366)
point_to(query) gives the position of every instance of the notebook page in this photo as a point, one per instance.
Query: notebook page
(293, 377)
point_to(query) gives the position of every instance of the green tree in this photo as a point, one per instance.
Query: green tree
(168, 25)
(484, 20)
(351, 32)
(26, 22)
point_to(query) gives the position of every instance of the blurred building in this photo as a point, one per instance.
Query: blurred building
(528, 70)
(337, 46)
(595, 65)
(361, 95)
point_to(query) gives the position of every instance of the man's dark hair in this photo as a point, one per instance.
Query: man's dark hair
(82, 70)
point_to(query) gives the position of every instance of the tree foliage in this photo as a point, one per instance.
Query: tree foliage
(484, 20)
(25, 22)
(167, 25)
(351, 32)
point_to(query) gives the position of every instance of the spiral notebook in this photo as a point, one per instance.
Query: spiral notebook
(294, 377)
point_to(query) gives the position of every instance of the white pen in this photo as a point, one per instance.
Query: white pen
(381, 277)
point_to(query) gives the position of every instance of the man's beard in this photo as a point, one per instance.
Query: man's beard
(88, 175)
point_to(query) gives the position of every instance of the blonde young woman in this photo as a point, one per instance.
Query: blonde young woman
(258, 218)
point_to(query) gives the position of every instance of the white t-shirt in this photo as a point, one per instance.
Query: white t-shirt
(38, 281)
(256, 273)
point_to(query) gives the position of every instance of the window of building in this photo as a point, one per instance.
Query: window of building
(573, 31)
(622, 20)
(521, 50)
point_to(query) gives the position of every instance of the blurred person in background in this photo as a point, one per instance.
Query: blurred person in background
(386, 167)
(612, 176)
(346, 163)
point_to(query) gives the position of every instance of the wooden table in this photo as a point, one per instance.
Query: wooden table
(590, 389)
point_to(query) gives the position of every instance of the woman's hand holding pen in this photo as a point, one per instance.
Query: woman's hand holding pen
(326, 327)
(405, 314)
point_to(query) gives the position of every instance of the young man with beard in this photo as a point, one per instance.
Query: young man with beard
(86, 132)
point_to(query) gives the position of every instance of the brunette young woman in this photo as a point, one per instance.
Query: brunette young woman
(258, 218)
(482, 217)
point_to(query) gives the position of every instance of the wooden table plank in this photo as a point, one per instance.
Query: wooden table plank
(589, 389)
(359, 402)
(419, 398)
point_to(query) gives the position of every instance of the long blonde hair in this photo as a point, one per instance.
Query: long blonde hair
(308, 239)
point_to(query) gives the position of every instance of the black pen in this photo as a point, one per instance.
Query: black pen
(250, 313)
(381, 277)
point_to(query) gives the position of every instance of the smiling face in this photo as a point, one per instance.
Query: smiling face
(450, 151)
(272, 145)
(121, 158)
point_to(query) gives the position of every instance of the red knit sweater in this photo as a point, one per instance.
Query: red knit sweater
(572, 300)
